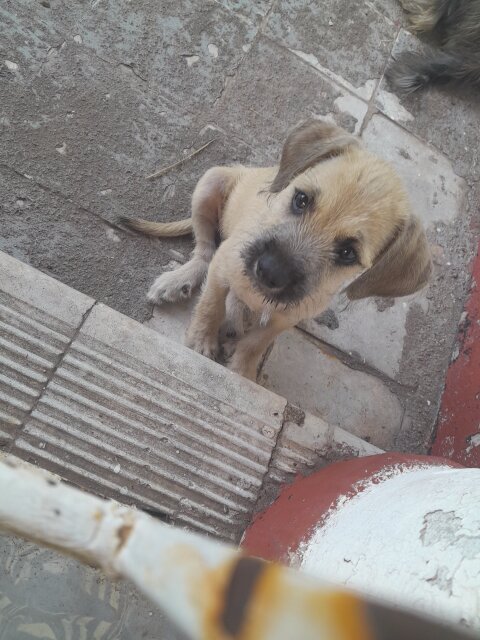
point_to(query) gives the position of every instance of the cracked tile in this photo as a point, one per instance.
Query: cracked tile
(170, 39)
(261, 112)
(321, 384)
(351, 39)
(377, 332)
(446, 118)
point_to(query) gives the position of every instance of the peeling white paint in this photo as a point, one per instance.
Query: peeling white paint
(213, 50)
(365, 91)
(62, 150)
(78, 39)
(191, 60)
(416, 541)
(391, 106)
(474, 441)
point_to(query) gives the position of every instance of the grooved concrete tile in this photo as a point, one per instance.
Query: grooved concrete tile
(133, 416)
(126, 413)
(349, 39)
(38, 319)
(261, 112)
(355, 401)
(447, 118)
(375, 330)
(308, 442)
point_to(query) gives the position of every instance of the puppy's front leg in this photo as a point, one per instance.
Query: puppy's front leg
(254, 344)
(208, 201)
(202, 335)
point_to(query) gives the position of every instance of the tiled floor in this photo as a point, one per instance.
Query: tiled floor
(46, 596)
(93, 100)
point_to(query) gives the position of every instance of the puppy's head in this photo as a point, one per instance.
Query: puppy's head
(335, 211)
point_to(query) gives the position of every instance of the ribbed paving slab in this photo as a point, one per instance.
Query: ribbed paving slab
(38, 319)
(122, 411)
(154, 424)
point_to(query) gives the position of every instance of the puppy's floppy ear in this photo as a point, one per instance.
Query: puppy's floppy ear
(402, 268)
(307, 144)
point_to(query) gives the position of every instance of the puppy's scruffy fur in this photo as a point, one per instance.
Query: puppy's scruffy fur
(330, 215)
(455, 24)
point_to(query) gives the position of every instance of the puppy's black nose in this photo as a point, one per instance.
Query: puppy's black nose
(274, 272)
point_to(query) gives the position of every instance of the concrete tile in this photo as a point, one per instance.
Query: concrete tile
(134, 416)
(436, 192)
(78, 248)
(375, 330)
(319, 383)
(172, 320)
(368, 330)
(29, 287)
(84, 129)
(38, 318)
(390, 9)
(53, 596)
(447, 118)
(184, 53)
(350, 40)
(254, 10)
(260, 112)
(307, 442)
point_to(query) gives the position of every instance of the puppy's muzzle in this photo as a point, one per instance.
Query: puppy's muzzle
(275, 272)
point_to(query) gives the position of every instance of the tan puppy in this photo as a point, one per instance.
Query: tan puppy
(292, 236)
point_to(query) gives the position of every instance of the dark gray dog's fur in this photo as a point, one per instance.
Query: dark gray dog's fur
(455, 24)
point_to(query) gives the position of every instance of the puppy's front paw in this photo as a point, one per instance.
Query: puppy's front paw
(203, 343)
(171, 287)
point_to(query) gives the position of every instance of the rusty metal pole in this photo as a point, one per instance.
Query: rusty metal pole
(210, 590)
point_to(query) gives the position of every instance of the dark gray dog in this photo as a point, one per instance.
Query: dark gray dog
(455, 24)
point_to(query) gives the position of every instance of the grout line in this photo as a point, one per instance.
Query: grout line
(62, 196)
(353, 363)
(52, 373)
(229, 78)
(262, 488)
(372, 108)
(334, 82)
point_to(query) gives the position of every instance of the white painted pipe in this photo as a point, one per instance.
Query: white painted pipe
(209, 590)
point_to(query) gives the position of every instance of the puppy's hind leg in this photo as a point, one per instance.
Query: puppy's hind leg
(207, 203)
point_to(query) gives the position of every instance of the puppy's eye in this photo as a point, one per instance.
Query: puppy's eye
(346, 255)
(300, 202)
